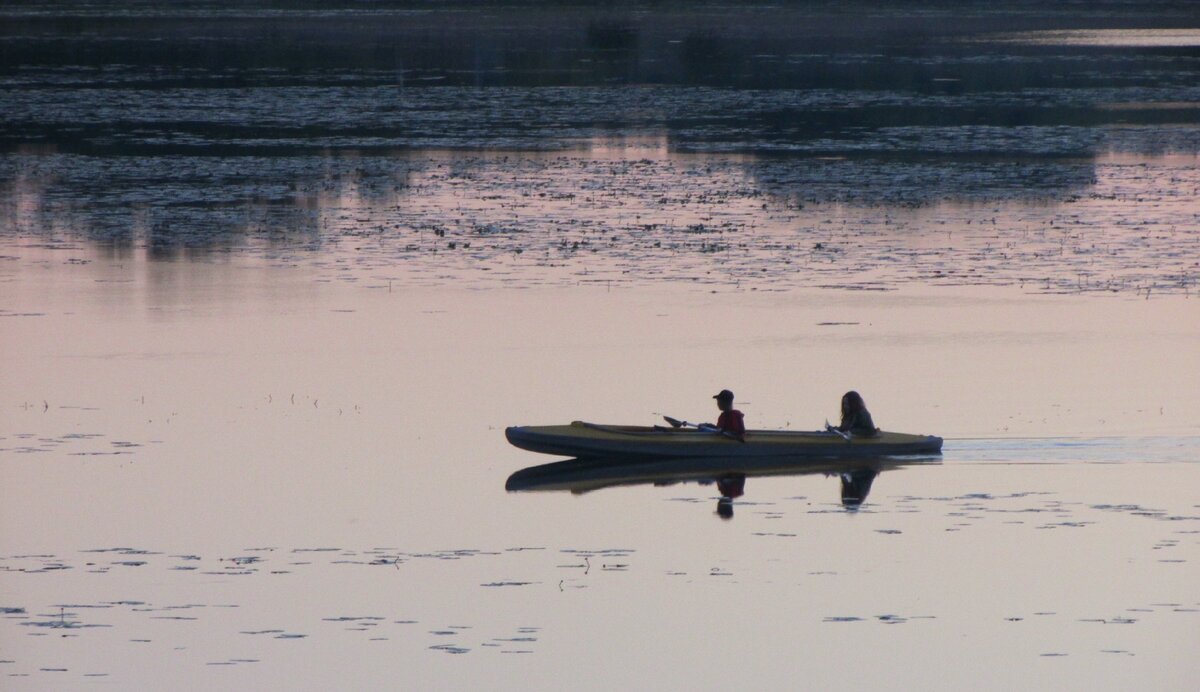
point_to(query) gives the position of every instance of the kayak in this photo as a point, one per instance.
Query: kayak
(585, 475)
(595, 441)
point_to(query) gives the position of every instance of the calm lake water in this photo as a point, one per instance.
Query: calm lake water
(274, 280)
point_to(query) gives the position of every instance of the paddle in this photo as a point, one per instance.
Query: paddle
(702, 427)
(676, 423)
(844, 435)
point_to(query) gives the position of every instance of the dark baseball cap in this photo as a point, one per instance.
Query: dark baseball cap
(723, 394)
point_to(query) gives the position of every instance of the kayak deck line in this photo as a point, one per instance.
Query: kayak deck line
(637, 430)
(659, 430)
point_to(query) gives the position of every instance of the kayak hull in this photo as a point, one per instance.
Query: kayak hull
(593, 441)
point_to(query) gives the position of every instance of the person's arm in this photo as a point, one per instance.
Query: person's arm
(865, 423)
(737, 425)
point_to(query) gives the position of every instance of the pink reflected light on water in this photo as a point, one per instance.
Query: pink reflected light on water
(294, 459)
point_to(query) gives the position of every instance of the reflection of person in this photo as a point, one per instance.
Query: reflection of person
(855, 486)
(856, 419)
(731, 486)
(731, 421)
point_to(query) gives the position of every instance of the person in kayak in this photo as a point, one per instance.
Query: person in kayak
(856, 419)
(731, 422)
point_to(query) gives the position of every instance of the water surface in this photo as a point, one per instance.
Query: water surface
(274, 280)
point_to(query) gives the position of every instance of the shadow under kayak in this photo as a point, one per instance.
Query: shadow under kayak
(594, 441)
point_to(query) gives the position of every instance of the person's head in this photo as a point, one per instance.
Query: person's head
(852, 402)
(724, 399)
(725, 508)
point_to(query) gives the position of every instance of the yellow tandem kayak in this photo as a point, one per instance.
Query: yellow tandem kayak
(596, 441)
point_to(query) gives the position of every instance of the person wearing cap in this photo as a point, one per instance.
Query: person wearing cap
(731, 420)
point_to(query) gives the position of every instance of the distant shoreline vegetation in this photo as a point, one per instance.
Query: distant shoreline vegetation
(1075, 7)
(800, 44)
(290, 124)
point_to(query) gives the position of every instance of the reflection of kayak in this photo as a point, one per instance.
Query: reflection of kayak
(583, 475)
(589, 440)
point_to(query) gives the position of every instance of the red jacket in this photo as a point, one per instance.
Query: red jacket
(731, 422)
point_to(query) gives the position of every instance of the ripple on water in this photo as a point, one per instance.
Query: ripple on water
(1090, 225)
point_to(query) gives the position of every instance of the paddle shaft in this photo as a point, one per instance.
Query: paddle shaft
(705, 427)
(844, 435)
(676, 423)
